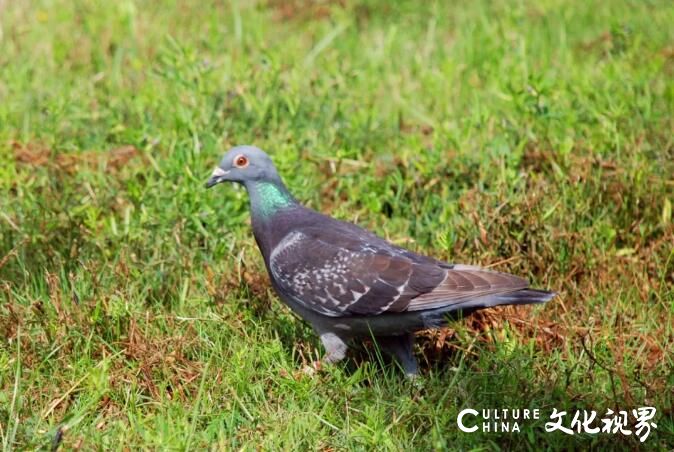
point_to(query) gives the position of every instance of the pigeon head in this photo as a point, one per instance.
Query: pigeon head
(244, 164)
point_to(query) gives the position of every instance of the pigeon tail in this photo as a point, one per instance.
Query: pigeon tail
(440, 316)
(525, 296)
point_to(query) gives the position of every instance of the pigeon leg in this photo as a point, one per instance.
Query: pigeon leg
(335, 348)
(400, 347)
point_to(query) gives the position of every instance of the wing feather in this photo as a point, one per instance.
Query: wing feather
(464, 282)
(341, 276)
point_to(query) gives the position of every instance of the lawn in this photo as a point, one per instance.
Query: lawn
(533, 137)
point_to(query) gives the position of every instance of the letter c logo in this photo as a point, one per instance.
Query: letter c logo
(459, 420)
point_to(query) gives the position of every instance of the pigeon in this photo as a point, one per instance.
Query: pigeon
(350, 284)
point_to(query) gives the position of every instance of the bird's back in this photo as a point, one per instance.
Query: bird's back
(339, 269)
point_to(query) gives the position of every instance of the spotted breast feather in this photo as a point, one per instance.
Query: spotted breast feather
(353, 275)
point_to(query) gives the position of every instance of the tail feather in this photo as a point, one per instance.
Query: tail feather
(524, 296)
(439, 317)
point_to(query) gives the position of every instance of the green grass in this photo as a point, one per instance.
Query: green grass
(534, 136)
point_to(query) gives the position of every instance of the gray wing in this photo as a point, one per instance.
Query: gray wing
(337, 275)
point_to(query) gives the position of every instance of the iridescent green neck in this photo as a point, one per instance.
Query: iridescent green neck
(266, 197)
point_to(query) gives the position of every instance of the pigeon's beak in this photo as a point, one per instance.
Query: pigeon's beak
(219, 175)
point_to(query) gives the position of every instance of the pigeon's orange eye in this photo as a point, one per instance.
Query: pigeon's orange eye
(241, 161)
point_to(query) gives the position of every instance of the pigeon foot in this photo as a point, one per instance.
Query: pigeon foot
(401, 348)
(335, 348)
